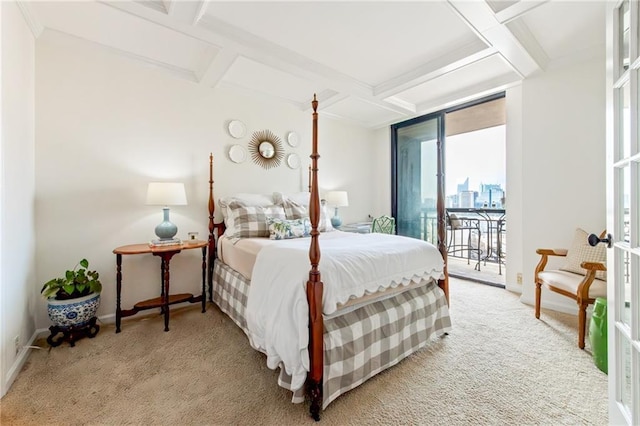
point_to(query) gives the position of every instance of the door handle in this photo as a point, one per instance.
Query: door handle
(594, 240)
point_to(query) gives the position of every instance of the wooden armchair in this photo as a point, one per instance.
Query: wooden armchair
(582, 288)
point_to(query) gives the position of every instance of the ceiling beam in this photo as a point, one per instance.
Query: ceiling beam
(453, 60)
(280, 58)
(476, 91)
(518, 10)
(220, 33)
(483, 21)
(217, 68)
(326, 99)
(30, 18)
(188, 12)
(402, 103)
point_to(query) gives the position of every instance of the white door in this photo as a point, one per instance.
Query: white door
(623, 210)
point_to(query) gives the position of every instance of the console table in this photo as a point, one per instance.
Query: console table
(166, 299)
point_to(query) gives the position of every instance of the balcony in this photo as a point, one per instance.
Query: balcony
(475, 239)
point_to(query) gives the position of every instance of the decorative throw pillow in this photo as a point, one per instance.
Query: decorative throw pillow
(251, 221)
(284, 229)
(580, 251)
(296, 209)
(227, 207)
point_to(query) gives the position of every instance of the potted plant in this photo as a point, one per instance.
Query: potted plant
(72, 300)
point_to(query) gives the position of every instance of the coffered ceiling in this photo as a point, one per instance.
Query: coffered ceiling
(372, 63)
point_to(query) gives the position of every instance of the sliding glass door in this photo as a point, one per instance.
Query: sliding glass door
(418, 178)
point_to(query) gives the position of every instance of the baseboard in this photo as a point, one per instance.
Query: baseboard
(23, 355)
(559, 307)
(107, 319)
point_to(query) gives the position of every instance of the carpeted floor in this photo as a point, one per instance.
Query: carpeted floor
(499, 366)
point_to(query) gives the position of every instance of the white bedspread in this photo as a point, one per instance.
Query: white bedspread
(350, 265)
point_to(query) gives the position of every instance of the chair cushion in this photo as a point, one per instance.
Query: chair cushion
(580, 251)
(568, 281)
(454, 221)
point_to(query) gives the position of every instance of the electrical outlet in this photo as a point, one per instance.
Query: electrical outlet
(519, 278)
(16, 344)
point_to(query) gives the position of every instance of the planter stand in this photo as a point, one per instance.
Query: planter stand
(72, 334)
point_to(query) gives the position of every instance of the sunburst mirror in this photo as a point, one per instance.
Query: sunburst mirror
(266, 149)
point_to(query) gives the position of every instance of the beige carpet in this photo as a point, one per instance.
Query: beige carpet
(499, 366)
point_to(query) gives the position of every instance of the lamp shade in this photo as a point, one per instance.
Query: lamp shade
(166, 194)
(337, 198)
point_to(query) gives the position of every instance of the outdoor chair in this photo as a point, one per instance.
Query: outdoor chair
(464, 237)
(384, 225)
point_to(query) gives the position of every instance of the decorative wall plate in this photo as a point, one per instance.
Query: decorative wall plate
(293, 161)
(237, 129)
(292, 139)
(237, 153)
(266, 149)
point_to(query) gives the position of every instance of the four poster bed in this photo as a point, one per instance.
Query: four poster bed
(385, 297)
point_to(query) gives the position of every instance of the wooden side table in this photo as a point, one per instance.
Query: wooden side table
(166, 299)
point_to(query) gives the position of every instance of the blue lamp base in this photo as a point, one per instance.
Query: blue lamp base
(336, 222)
(166, 230)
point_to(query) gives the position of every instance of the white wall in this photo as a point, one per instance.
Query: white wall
(106, 126)
(382, 166)
(17, 234)
(515, 195)
(563, 167)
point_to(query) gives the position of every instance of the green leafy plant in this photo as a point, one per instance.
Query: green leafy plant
(76, 283)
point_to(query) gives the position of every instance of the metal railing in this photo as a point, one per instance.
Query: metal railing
(477, 236)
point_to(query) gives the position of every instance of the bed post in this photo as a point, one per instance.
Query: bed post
(212, 242)
(442, 226)
(314, 285)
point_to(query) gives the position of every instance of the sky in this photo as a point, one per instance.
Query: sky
(478, 155)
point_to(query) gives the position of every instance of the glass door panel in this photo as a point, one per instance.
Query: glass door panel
(624, 298)
(417, 181)
(623, 212)
(623, 35)
(625, 122)
(626, 388)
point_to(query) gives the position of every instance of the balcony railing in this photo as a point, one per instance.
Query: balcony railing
(481, 235)
(475, 235)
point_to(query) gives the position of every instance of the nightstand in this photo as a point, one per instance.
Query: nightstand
(358, 228)
(166, 299)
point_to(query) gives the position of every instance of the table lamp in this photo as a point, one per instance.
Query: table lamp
(337, 199)
(166, 194)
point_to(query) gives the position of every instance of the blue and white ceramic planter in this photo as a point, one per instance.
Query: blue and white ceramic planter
(73, 312)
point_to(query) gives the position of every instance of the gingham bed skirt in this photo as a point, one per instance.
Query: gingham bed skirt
(358, 344)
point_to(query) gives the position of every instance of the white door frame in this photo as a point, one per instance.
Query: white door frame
(623, 204)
